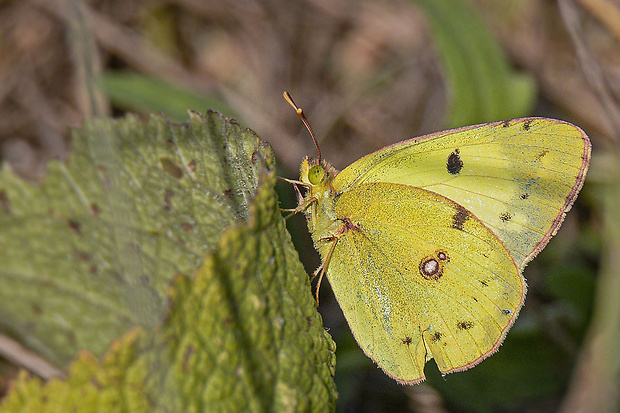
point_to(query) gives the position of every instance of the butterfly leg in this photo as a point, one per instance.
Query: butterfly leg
(320, 272)
(302, 203)
(346, 227)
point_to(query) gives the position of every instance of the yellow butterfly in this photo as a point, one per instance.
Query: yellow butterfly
(424, 241)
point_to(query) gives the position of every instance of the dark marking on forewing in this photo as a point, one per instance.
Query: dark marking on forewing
(525, 196)
(464, 325)
(483, 283)
(527, 124)
(460, 216)
(407, 341)
(455, 163)
(507, 311)
(505, 216)
(506, 123)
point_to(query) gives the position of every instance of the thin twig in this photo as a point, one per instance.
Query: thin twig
(22, 357)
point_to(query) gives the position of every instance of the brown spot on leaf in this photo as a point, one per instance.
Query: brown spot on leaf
(255, 156)
(187, 227)
(171, 168)
(95, 210)
(75, 226)
(187, 357)
(228, 194)
(5, 204)
(35, 308)
(82, 256)
(168, 194)
(192, 166)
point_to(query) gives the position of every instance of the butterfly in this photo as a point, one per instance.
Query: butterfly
(424, 242)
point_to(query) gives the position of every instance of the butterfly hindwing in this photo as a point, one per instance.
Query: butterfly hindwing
(419, 277)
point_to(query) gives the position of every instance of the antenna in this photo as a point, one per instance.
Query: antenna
(301, 115)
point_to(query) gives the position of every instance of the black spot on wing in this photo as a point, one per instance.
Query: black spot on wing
(464, 325)
(527, 125)
(455, 163)
(525, 196)
(505, 216)
(407, 341)
(436, 336)
(506, 123)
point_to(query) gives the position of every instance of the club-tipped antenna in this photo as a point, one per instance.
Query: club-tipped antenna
(301, 115)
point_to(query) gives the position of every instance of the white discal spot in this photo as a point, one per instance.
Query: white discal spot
(431, 267)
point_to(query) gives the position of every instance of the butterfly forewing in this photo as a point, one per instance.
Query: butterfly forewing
(519, 177)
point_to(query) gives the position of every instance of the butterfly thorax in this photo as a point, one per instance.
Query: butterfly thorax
(319, 199)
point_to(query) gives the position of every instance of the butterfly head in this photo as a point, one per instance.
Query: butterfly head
(316, 175)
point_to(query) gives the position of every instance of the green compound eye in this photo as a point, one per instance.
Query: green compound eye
(316, 174)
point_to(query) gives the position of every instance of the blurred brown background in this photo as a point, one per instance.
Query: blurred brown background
(367, 74)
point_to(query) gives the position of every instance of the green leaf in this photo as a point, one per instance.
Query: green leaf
(242, 335)
(91, 252)
(481, 85)
(146, 94)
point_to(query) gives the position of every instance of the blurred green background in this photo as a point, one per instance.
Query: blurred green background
(367, 74)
